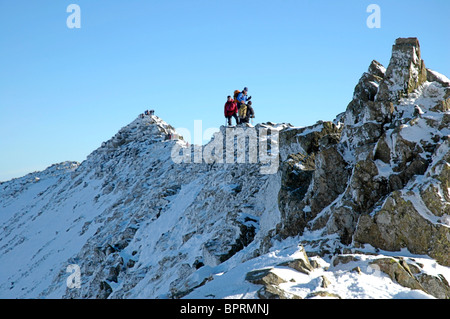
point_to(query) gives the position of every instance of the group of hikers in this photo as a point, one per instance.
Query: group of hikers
(147, 112)
(240, 107)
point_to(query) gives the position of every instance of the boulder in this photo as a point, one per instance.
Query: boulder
(273, 292)
(398, 272)
(323, 294)
(436, 286)
(263, 277)
(301, 264)
(377, 69)
(396, 225)
(411, 276)
(382, 150)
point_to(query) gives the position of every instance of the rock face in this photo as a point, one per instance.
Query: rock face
(383, 178)
(305, 174)
(148, 216)
(406, 71)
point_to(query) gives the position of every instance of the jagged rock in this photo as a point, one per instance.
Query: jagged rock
(357, 270)
(433, 76)
(436, 286)
(410, 276)
(104, 291)
(323, 294)
(273, 292)
(435, 194)
(300, 264)
(377, 69)
(367, 87)
(305, 140)
(270, 282)
(382, 150)
(368, 84)
(263, 277)
(175, 293)
(220, 249)
(330, 179)
(356, 136)
(396, 226)
(296, 175)
(398, 272)
(325, 282)
(405, 73)
(432, 198)
(318, 158)
(364, 187)
(344, 259)
(314, 264)
(113, 273)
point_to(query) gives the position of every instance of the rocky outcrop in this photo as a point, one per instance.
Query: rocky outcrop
(386, 176)
(270, 281)
(312, 178)
(405, 73)
(409, 274)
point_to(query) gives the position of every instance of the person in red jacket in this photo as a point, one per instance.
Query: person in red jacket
(231, 110)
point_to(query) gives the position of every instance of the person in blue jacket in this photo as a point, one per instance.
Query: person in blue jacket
(242, 97)
(242, 103)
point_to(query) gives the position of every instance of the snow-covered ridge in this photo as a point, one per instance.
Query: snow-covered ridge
(338, 219)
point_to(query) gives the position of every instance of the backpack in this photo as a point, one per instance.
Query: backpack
(236, 93)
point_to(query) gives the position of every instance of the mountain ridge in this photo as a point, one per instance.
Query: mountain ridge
(145, 217)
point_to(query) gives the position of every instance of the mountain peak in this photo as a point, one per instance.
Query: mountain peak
(412, 41)
(353, 193)
(144, 130)
(406, 70)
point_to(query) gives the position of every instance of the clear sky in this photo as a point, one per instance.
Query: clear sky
(64, 91)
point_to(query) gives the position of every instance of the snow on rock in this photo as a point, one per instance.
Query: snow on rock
(330, 210)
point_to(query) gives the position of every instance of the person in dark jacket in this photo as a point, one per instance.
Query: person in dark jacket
(231, 110)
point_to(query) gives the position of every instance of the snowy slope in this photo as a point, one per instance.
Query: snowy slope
(174, 217)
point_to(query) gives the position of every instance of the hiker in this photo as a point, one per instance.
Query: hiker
(249, 113)
(230, 110)
(242, 98)
(242, 104)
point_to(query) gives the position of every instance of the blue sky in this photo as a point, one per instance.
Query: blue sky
(65, 91)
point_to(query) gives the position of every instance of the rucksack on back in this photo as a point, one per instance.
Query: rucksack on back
(236, 93)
